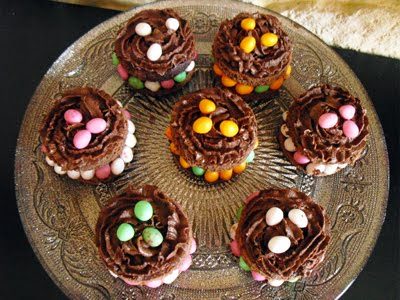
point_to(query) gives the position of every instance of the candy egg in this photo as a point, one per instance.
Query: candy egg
(256, 144)
(181, 77)
(171, 277)
(184, 163)
(82, 139)
(73, 174)
(207, 106)
(328, 120)
(275, 282)
(217, 70)
(193, 246)
(235, 248)
(294, 279)
(350, 129)
(131, 127)
(125, 232)
(347, 111)
(115, 59)
(126, 113)
(198, 171)
(103, 172)
(274, 216)
(312, 167)
(96, 125)
(226, 174)
(288, 71)
(284, 115)
(211, 176)
(87, 175)
(153, 86)
(285, 130)
(143, 210)
(152, 236)
(73, 116)
(269, 39)
(168, 133)
(143, 29)
(229, 128)
(261, 89)
(168, 84)
(239, 168)
(136, 83)
(330, 169)
(117, 166)
(243, 265)
(122, 72)
(257, 276)
(190, 67)
(277, 83)
(59, 170)
(187, 262)
(250, 157)
(127, 154)
(232, 231)
(239, 212)
(50, 162)
(174, 149)
(248, 24)
(226, 81)
(298, 217)
(172, 24)
(300, 158)
(289, 145)
(279, 244)
(202, 125)
(130, 140)
(154, 283)
(248, 44)
(154, 52)
(243, 89)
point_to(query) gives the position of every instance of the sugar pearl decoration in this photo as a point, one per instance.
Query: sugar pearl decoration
(279, 244)
(143, 29)
(127, 154)
(130, 140)
(289, 145)
(350, 129)
(117, 166)
(87, 175)
(131, 127)
(59, 170)
(172, 24)
(73, 174)
(298, 217)
(275, 282)
(154, 52)
(153, 86)
(328, 120)
(274, 216)
(347, 111)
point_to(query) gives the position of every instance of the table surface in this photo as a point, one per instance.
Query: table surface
(35, 33)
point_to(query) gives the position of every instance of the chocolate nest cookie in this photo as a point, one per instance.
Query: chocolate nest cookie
(324, 130)
(155, 52)
(214, 130)
(88, 136)
(144, 237)
(252, 54)
(282, 235)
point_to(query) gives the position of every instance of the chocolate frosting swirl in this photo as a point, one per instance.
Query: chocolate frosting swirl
(57, 135)
(308, 245)
(134, 261)
(326, 145)
(263, 65)
(177, 46)
(213, 151)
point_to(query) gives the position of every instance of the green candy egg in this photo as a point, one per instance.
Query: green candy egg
(152, 236)
(243, 264)
(180, 77)
(251, 156)
(136, 83)
(125, 232)
(115, 59)
(239, 213)
(261, 88)
(143, 210)
(198, 171)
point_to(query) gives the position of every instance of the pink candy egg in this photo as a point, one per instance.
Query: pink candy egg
(328, 120)
(127, 114)
(350, 129)
(96, 125)
(154, 284)
(347, 111)
(73, 116)
(168, 84)
(186, 263)
(300, 158)
(257, 276)
(82, 139)
(122, 72)
(235, 248)
(193, 246)
(103, 172)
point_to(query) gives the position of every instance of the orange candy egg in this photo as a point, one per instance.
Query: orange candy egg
(211, 176)
(226, 174)
(226, 81)
(240, 168)
(248, 44)
(243, 89)
(202, 125)
(183, 163)
(229, 128)
(207, 106)
(276, 84)
(269, 39)
(173, 149)
(256, 144)
(168, 133)
(217, 70)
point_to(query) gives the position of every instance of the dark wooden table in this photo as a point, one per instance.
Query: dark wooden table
(35, 33)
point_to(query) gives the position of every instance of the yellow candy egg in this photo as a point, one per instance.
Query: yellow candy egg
(269, 39)
(202, 125)
(248, 24)
(248, 44)
(168, 133)
(243, 89)
(240, 168)
(229, 128)
(226, 174)
(173, 149)
(226, 81)
(256, 144)
(288, 71)
(211, 176)
(183, 163)
(207, 106)
(217, 70)
(276, 84)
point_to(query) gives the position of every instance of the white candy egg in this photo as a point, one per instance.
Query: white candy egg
(154, 52)
(312, 167)
(274, 216)
(127, 154)
(275, 282)
(131, 127)
(289, 145)
(58, 170)
(190, 67)
(153, 86)
(50, 162)
(73, 174)
(284, 115)
(279, 244)
(330, 169)
(285, 130)
(294, 279)
(172, 24)
(119, 103)
(117, 166)
(130, 140)
(143, 29)
(87, 175)
(170, 278)
(298, 217)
